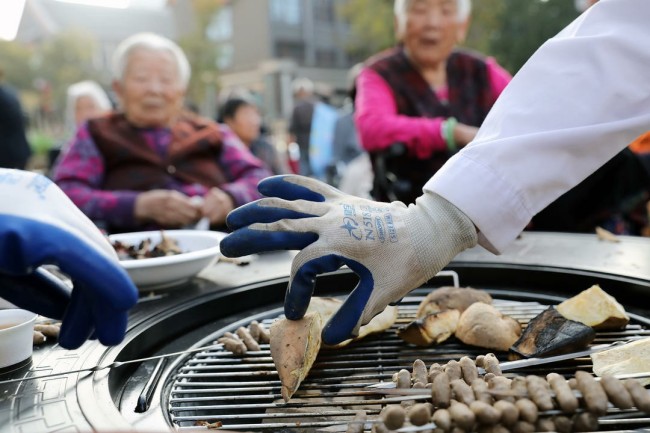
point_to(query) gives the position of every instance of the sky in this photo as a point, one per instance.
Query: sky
(10, 13)
(11, 10)
(149, 4)
(141, 4)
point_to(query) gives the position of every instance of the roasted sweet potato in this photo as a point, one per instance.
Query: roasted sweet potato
(595, 308)
(483, 325)
(295, 343)
(433, 328)
(550, 333)
(451, 298)
(294, 347)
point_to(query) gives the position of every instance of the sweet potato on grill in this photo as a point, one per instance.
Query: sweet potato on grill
(595, 308)
(379, 323)
(629, 358)
(433, 328)
(295, 343)
(294, 347)
(483, 325)
(550, 333)
(451, 298)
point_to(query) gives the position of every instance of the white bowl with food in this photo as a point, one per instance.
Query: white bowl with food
(194, 250)
(16, 338)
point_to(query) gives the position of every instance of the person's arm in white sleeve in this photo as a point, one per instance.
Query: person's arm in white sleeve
(580, 99)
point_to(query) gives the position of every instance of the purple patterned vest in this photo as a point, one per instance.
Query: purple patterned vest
(131, 164)
(470, 100)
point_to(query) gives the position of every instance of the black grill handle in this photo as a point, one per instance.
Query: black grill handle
(144, 399)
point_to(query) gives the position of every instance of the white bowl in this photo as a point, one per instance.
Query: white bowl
(16, 336)
(200, 249)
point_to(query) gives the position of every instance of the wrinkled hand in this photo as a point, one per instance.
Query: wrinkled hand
(216, 206)
(167, 208)
(393, 248)
(464, 134)
(40, 225)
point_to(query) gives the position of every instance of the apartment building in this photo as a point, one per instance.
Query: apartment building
(265, 44)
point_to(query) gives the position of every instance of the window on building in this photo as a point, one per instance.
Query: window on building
(290, 50)
(286, 11)
(324, 11)
(220, 27)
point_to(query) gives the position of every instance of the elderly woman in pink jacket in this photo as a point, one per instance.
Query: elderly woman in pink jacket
(425, 94)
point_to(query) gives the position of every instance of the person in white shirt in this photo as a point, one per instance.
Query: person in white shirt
(580, 99)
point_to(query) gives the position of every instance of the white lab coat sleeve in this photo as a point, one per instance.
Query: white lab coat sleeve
(580, 99)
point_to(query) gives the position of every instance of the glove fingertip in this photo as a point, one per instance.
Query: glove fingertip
(298, 297)
(72, 337)
(335, 332)
(112, 333)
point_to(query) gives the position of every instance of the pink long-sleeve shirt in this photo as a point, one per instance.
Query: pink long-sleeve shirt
(380, 125)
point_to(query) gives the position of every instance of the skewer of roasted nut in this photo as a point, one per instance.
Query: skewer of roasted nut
(245, 339)
(494, 403)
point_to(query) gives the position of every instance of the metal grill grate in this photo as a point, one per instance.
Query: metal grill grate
(243, 393)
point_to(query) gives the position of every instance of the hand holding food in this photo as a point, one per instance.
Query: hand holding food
(216, 206)
(334, 229)
(167, 208)
(44, 227)
(295, 344)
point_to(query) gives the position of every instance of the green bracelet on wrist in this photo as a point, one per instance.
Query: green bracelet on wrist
(448, 133)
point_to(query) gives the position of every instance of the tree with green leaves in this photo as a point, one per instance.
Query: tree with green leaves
(371, 26)
(201, 52)
(523, 26)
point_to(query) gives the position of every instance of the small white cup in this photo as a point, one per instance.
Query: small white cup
(16, 336)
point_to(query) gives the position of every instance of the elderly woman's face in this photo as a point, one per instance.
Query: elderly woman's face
(150, 92)
(430, 30)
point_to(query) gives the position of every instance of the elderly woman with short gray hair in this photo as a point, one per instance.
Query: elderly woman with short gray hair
(425, 94)
(144, 165)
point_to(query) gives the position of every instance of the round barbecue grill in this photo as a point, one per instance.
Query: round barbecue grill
(203, 389)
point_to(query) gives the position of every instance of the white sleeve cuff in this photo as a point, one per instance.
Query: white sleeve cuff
(493, 205)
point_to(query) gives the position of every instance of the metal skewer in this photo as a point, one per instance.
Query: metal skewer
(111, 365)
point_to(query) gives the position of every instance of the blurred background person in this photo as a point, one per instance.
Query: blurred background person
(352, 163)
(243, 118)
(425, 94)
(301, 118)
(14, 147)
(345, 140)
(139, 167)
(84, 100)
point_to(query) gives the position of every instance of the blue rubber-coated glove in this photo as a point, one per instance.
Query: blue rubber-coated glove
(393, 248)
(40, 225)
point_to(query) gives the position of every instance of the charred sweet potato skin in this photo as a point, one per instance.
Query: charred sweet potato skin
(550, 333)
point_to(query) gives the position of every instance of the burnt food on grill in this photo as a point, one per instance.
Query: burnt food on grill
(550, 333)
